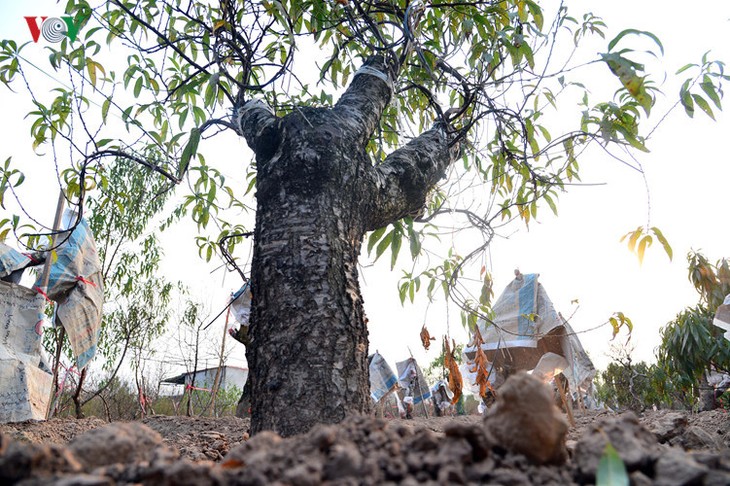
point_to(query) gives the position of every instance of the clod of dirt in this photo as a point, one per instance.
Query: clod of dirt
(19, 461)
(638, 478)
(361, 450)
(697, 438)
(478, 441)
(634, 443)
(54, 431)
(116, 443)
(200, 439)
(675, 468)
(525, 420)
(669, 426)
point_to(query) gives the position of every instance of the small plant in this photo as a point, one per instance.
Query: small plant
(611, 469)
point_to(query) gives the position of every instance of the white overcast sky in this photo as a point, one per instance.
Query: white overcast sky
(577, 254)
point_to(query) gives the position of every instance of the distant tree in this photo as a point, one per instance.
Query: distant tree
(443, 115)
(691, 345)
(137, 299)
(192, 322)
(626, 384)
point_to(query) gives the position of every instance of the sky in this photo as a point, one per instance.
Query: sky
(577, 254)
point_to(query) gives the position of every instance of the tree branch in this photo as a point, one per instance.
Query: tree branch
(256, 122)
(403, 181)
(362, 105)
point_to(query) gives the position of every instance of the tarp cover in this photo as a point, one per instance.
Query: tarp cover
(382, 378)
(521, 314)
(411, 379)
(722, 317)
(527, 326)
(25, 387)
(76, 284)
(580, 371)
(241, 304)
(11, 260)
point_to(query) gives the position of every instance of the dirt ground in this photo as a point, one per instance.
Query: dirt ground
(515, 445)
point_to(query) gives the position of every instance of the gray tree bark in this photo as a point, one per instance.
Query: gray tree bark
(318, 193)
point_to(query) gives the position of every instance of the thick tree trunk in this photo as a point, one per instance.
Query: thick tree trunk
(317, 195)
(308, 353)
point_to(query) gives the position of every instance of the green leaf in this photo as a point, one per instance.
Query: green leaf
(626, 32)
(711, 93)
(397, 239)
(611, 469)
(402, 289)
(91, 69)
(685, 67)
(686, 99)
(551, 203)
(105, 108)
(138, 86)
(251, 185)
(190, 149)
(384, 244)
(704, 105)
(625, 70)
(374, 237)
(414, 243)
(536, 14)
(211, 90)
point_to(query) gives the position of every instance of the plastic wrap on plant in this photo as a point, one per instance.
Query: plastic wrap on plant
(26, 384)
(523, 316)
(11, 261)
(75, 282)
(411, 379)
(382, 378)
(722, 317)
(241, 304)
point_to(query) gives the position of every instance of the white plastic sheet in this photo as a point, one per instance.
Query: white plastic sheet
(523, 316)
(75, 282)
(722, 317)
(241, 304)
(382, 378)
(412, 380)
(24, 385)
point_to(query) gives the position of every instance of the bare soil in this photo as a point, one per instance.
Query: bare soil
(661, 447)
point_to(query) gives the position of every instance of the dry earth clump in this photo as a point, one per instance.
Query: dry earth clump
(507, 448)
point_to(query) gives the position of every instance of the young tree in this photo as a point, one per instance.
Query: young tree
(626, 384)
(427, 84)
(192, 323)
(692, 346)
(137, 310)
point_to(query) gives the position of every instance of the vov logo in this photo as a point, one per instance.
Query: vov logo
(54, 29)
